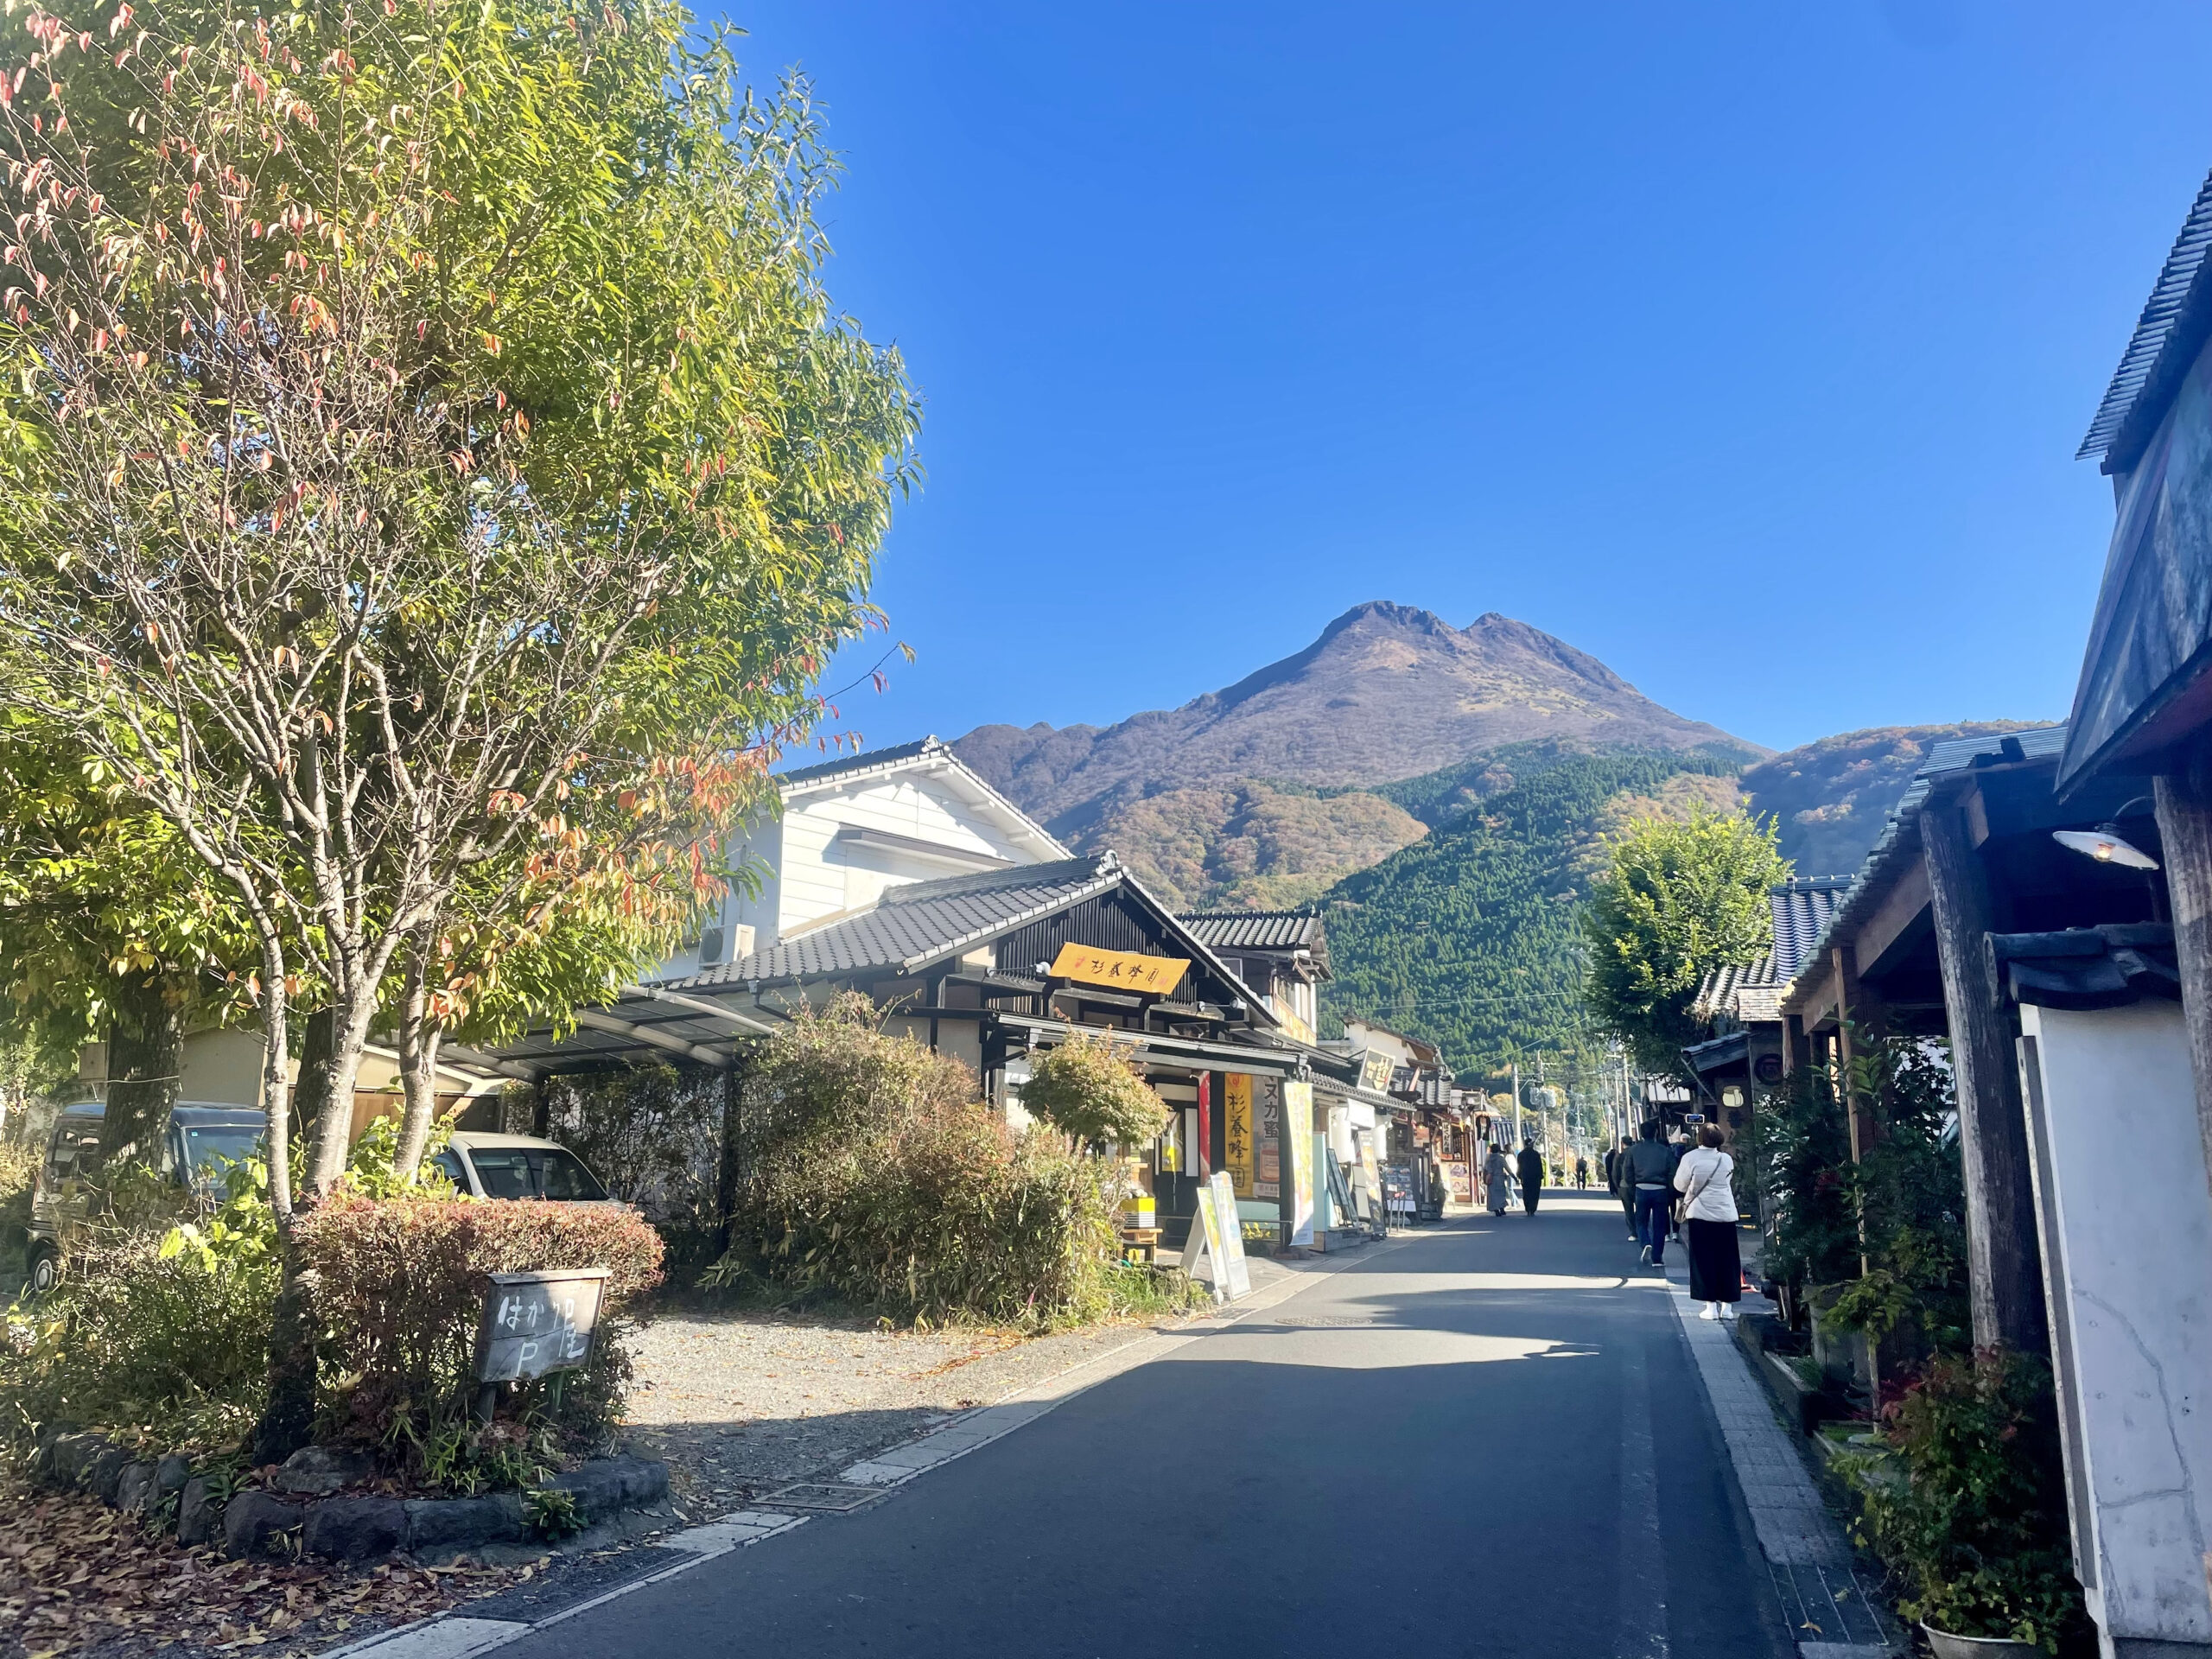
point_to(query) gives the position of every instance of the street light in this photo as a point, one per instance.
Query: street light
(2106, 844)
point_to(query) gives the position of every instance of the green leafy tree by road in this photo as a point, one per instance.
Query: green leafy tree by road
(109, 930)
(1674, 900)
(1468, 937)
(432, 475)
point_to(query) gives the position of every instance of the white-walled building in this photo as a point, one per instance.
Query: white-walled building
(851, 830)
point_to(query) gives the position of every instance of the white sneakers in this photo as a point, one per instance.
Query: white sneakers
(1710, 1311)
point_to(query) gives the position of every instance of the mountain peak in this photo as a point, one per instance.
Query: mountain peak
(1386, 691)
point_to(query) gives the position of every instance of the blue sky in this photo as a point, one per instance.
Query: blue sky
(1745, 345)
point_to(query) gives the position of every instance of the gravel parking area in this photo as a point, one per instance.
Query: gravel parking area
(741, 1404)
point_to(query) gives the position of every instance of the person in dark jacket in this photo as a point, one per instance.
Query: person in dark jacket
(1532, 1175)
(1617, 1182)
(1647, 1170)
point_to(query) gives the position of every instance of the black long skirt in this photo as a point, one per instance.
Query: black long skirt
(1716, 1268)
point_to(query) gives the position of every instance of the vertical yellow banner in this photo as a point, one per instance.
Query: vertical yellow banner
(1298, 1128)
(1236, 1130)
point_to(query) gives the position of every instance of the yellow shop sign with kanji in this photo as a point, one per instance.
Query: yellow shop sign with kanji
(1237, 1131)
(1119, 970)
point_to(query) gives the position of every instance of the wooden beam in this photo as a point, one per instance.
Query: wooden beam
(1895, 921)
(2185, 804)
(2003, 1261)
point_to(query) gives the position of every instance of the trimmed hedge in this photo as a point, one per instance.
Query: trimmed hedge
(938, 1215)
(400, 1287)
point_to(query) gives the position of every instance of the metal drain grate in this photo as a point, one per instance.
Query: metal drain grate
(821, 1497)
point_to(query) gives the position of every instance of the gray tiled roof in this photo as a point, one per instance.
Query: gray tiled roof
(923, 923)
(1900, 838)
(1718, 992)
(1801, 909)
(2166, 340)
(1254, 930)
(861, 762)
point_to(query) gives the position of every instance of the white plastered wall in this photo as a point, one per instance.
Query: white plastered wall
(2125, 1225)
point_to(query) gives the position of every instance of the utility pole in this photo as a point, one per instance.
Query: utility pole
(1516, 1103)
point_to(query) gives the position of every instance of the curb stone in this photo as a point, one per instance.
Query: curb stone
(1805, 1551)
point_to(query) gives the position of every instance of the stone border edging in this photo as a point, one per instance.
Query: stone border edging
(337, 1527)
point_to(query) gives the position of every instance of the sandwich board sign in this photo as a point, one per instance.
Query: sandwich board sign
(1218, 1258)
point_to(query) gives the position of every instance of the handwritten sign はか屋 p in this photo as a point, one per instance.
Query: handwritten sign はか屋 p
(536, 1324)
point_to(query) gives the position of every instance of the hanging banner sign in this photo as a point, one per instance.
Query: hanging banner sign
(1298, 1129)
(1119, 970)
(1236, 1130)
(1375, 1069)
(1267, 1138)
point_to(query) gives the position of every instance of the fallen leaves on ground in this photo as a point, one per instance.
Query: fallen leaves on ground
(79, 1578)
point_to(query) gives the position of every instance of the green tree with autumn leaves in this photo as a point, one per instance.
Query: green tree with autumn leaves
(1675, 899)
(432, 476)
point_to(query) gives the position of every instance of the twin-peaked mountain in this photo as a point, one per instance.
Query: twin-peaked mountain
(1386, 693)
(1442, 793)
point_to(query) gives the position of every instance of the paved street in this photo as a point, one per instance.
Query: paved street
(1482, 1439)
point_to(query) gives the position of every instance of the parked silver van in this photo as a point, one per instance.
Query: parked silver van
(201, 1137)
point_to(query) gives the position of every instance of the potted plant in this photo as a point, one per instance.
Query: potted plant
(1976, 1530)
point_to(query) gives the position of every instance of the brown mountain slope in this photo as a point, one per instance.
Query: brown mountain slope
(1833, 797)
(1387, 692)
(1251, 845)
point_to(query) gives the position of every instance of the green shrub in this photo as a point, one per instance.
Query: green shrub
(1909, 1189)
(833, 1072)
(944, 1214)
(400, 1287)
(164, 1337)
(1087, 1088)
(1803, 1148)
(1977, 1531)
(19, 1163)
(872, 1176)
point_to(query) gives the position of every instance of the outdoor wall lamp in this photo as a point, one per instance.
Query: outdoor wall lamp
(2106, 844)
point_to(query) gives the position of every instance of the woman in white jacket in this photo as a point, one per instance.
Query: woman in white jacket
(1709, 1218)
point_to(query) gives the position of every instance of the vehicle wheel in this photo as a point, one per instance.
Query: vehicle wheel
(46, 1269)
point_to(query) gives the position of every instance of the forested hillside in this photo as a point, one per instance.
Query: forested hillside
(1468, 937)
(1831, 798)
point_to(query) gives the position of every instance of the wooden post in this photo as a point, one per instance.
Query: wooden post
(1858, 1024)
(2002, 1258)
(2185, 804)
(732, 1168)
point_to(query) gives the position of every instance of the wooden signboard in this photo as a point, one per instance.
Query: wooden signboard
(535, 1324)
(1215, 1254)
(1120, 971)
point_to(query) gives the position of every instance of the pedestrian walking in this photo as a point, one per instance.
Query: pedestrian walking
(1709, 1217)
(1581, 1171)
(1617, 1183)
(1648, 1175)
(1532, 1176)
(1498, 1180)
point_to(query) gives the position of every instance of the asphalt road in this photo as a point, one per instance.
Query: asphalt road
(1481, 1439)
